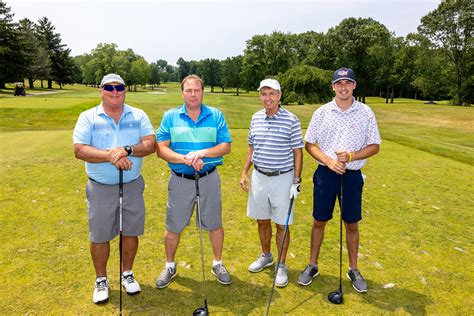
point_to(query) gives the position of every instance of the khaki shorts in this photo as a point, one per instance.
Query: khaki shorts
(103, 208)
(269, 197)
(182, 198)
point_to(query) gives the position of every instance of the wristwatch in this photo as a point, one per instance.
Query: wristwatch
(129, 150)
(296, 180)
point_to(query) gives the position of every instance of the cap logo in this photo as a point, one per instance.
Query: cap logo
(343, 72)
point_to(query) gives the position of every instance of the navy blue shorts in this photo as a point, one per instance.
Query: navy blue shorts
(327, 186)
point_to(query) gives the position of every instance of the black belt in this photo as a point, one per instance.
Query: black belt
(191, 176)
(271, 173)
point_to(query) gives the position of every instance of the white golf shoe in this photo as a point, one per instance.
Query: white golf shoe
(101, 291)
(129, 283)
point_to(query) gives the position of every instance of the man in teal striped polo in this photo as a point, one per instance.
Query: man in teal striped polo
(193, 138)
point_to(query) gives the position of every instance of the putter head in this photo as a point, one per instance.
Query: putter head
(201, 311)
(335, 297)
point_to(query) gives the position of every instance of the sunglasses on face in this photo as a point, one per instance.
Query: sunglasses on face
(110, 88)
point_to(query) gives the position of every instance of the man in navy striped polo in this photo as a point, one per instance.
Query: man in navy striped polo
(275, 149)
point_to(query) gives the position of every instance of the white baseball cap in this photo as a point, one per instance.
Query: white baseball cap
(270, 83)
(111, 78)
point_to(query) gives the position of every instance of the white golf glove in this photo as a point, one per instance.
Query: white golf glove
(295, 190)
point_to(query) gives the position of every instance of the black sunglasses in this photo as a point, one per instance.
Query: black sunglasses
(110, 88)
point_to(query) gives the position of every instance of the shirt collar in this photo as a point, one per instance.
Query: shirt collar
(354, 106)
(126, 109)
(276, 115)
(204, 111)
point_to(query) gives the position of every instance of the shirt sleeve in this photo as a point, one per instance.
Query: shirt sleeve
(250, 135)
(163, 132)
(83, 130)
(373, 135)
(311, 132)
(223, 135)
(145, 125)
(296, 138)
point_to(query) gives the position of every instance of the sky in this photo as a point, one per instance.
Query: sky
(195, 30)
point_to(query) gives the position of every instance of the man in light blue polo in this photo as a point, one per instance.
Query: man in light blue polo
(275, 149)
(192, 138)
(109, 137)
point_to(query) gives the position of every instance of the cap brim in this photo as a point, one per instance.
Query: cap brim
(343, 78)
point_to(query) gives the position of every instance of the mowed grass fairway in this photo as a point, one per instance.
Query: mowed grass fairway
(416, 248)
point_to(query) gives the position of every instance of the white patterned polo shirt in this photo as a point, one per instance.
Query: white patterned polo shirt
(350, 130)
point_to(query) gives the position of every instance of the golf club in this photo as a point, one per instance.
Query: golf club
(203, 309)
(336, 297)
(120, 229)
(279, 254)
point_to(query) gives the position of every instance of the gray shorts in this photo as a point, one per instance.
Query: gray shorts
(103, 207)
(182, 198)
(269, 197)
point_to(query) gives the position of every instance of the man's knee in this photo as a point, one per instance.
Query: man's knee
(319, 225)
(352, 228)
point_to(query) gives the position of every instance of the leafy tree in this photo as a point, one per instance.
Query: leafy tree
(105, 59)
(140, 72)
(62, 65)
(183, 68)
(37, 63)
(306, 84)
(172, 73)
(210, 70)
(450, 27)
(155, 74)
(231, 72)
(431, 74)
(12, 62)
(253, 63)
(359, 43)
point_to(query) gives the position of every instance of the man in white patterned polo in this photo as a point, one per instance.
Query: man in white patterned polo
(341, 136)
(275, 149)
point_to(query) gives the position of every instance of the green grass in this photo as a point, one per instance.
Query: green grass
(415, 233)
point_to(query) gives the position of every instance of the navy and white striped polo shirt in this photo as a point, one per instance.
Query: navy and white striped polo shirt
(274, 138)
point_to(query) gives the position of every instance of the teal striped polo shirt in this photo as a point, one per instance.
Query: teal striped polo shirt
(185, 135)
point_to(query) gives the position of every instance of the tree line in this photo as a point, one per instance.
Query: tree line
(434, 63)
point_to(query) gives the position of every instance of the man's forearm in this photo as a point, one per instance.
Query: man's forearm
(90, 154)
(145, 147)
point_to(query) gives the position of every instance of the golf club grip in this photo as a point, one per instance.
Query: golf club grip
(196, 181)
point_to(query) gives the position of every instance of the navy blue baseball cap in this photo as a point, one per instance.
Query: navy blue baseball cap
(343, 74)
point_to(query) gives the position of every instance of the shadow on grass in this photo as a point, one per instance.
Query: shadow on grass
(185, 294)
(390, 300)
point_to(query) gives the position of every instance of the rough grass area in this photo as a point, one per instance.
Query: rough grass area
(416, 241)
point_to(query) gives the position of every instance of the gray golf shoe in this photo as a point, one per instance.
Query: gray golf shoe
(281, 279)
(358, 282)
(308, 274)
(262, 262)
(221, 274)
(165, 277)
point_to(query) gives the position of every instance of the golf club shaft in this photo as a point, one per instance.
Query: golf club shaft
(198, 207)
(120, 230)
(340, 233)
(279, 254)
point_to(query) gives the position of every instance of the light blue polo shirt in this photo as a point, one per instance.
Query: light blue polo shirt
(95, 128)
(185, 135)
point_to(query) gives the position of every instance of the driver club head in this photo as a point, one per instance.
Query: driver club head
(201, 311)
(335, 297)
